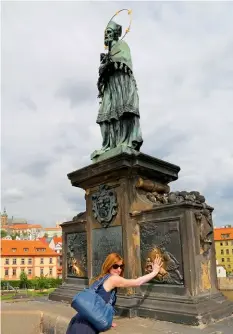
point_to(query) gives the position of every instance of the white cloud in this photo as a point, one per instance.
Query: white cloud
(182, 58)
(13, 194)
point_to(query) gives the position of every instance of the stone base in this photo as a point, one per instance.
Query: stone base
(66, 291)
(193, 311)
(123, 165)
(189, 311)
(180, 229)
(181, 310)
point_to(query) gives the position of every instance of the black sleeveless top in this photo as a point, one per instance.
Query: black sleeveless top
(106, 295)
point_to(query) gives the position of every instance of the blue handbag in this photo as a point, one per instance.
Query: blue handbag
(91, 306)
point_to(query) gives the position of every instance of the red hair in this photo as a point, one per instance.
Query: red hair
(110, 260)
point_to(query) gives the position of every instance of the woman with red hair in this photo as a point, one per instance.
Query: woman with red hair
(113, 269)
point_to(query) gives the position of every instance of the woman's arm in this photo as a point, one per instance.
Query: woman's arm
(120, 282)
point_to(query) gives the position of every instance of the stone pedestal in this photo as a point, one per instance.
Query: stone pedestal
(74, 255)
(130, 210)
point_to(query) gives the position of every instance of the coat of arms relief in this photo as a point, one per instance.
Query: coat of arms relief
(104, 205)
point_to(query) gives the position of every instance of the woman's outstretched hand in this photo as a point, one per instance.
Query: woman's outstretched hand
(162, 271)
(157, 264)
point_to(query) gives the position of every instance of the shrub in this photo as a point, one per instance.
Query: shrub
(34, 283)
(14, 284)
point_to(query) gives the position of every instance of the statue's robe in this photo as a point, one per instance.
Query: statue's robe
(118, 114)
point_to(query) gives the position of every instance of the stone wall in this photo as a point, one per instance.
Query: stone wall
(225, 283)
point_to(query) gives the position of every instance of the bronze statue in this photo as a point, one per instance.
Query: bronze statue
(118, 114)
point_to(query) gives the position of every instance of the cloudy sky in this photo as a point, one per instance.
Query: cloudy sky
(182, 58)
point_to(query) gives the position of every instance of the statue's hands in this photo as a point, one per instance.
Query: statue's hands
(102, 57)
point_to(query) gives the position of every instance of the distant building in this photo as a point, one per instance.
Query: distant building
(7, 237)
(20, 227)
(16, 221)
(53, 231)
(33, 257)
(223, 239)
(4, 218)
(56, 245)
(221, 271)
(26, 231)
(5, 221)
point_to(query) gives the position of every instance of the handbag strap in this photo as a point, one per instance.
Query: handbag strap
(112, 297)
(101, 281)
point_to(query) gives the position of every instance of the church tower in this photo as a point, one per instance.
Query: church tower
(4, 218)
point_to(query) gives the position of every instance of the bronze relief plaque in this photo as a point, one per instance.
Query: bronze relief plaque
(162, 238)
(77, 254)
(105, 241)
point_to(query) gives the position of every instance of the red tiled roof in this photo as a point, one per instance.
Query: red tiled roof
(34, 248)
(44, 240)
(23, 226)
(52, 228)
(57, 240)
(223, 230)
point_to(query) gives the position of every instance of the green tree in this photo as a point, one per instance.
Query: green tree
(23, 280)
(13, 236)
(25, 234)
(41, 282)
(3, 233)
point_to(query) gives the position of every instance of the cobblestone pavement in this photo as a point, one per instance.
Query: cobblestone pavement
(124, 325)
